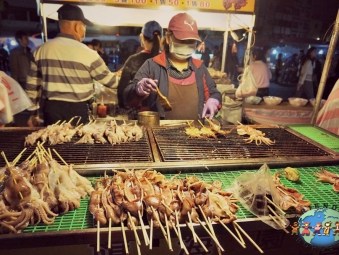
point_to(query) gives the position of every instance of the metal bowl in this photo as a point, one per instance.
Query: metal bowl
(148, 119)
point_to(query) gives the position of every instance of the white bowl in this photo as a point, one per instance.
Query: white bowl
(272, 100)
(253, 100)
(297, 101)
(312, 101)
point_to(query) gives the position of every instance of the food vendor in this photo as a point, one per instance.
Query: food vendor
(150, 38)
(183, 80)
(63, 70)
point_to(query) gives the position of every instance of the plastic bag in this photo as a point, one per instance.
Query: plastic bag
(251, 188)
(13, 97)
(247, 86)
(105, 94)
(231, 109)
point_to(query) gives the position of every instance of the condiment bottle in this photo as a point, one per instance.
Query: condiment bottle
(102, 109)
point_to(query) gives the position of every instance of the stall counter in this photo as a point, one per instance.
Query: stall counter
(282, 114)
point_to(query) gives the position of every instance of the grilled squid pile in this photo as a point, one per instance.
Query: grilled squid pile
(147, 194)
(90, 133)
(37, 191)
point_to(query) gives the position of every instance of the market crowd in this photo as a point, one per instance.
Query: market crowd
(59, 75)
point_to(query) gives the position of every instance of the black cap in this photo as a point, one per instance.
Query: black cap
(72, 12)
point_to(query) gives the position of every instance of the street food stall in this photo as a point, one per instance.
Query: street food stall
(208, 158)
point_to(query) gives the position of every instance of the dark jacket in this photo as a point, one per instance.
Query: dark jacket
(130, 68)
(155, 68)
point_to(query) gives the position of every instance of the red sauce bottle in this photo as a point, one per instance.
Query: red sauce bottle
(102, 111)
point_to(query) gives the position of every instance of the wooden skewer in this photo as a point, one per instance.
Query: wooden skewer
(168, 234)
(56, 123)
(295, 201)
(124, 236)
(192, 228)
(248, 237)
(281, 224)
(5, 158)
(241, 242)
(276, 206)
(211, 235)
(151, 235)
(144, 232)
(70, 120)
(275, 214)
(166, 206)
(31, 154)
(109, 233)
(76, 124)
(60, 157)
(160, 224)
(197, 237)
(182, 246)
(278, 223)
(18, 157)
(98, 236)
(134, 229)
(138, 249)
(239, 235)
(63, 122)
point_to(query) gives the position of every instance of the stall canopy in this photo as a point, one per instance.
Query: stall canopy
(210, 15)
(214, 15)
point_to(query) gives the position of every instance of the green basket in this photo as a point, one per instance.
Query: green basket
(320, 194)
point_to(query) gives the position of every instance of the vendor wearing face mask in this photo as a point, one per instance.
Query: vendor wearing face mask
(63, 70)
(183, 80)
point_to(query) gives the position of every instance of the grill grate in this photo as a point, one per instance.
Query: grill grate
(12, 143)
(175, 145)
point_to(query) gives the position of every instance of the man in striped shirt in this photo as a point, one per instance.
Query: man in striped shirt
(63, 71)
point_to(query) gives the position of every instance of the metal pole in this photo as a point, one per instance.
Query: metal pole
(43, 24)
(326, 69)
(224, 48)
(249, 41)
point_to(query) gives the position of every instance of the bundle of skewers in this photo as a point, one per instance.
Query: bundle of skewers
(90, 133)
(264, 196)
(205, 132)
(133, 197)
(255, 135)
(38, 190)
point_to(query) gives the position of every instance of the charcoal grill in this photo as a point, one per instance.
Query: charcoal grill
(168, 148)
(12, 143)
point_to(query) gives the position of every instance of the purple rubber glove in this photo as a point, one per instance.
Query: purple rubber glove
(210, 108)
(146, 86)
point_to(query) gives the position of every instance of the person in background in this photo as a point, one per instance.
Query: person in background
(305, 83)
(205, 56)
(215, 61)
(278, 67)
(184, 81)
(97, 46)
(267, 53)
(290, 70)
(63, 70)
(3, 59)
(317, 70)
(300, 60)
(328, 116)
(260, 71)
(89, 45)
(20, 59)
(150, 37)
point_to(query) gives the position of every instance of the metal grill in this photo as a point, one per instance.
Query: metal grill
(175, 145)
(12, 143)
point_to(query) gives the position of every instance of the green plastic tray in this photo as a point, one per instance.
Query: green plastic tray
(324, 138)
(318, 193)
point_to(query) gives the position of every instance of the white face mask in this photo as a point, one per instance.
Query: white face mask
(182, 51)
